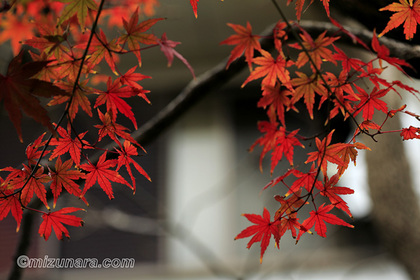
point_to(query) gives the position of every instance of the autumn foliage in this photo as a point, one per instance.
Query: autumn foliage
(62, 45)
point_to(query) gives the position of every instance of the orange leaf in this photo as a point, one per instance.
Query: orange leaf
(406, 12)
(246, 43)
(271, 69)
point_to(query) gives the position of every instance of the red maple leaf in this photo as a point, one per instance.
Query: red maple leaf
(63, 176)
(10, 203)
(321, 216)
(317, 49)
(16, 29)
(271, 69)
(168, 49)
(306, 87)
(21, 179)
(112, 129)
(370, 101)
(246, 43)
(332, 192)
(32, 152)
(262, 230)
(324, 155)
(112, 97)
(135, 33)
(66, 144)
(194, 6)
(383, 53)
(127, 151)
(288, 205)
(276, 99)
(131, 78)
(284, 146)
(299, 6)
(103, 175)
(18, 90)
(55, 220)
(346, 152)
(277, 140)
(79, 98)
(305, 180)
(407, 12)
(100, 48)
(410, 133)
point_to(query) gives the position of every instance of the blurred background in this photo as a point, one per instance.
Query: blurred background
(182, 224)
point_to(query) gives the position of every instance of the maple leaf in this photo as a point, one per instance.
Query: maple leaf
(407, 12)
(267, 141)
(79, 8)
(299, 6)
(321, 216)
(289, 204)
(383, 54)
(21, 179)
(10, 204)
(368, 102)
(100, 48)
(365, 126)
(66, 144)
(410, 133)
(124, 158)
(130, 78)
(284, 145)
(112, 129)
(271, 69)
(305, 180)
(16, 29)
(18, 90)
(332, 192)
(50, 41)
(346, 152)
(32, 152)
(168, 49)
(323, 155)
(62, 176)
(347, 62)
(103, 175)
(135, 33)
(112, 98)
(317, 49)
(78, 99)
(246, 43)
(55, 220)
(194, 6)
(276, 99)
(262, 230)
(306, 87)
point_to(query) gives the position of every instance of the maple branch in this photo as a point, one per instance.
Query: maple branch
(219, 75)
(397, 48)
(28, 219)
